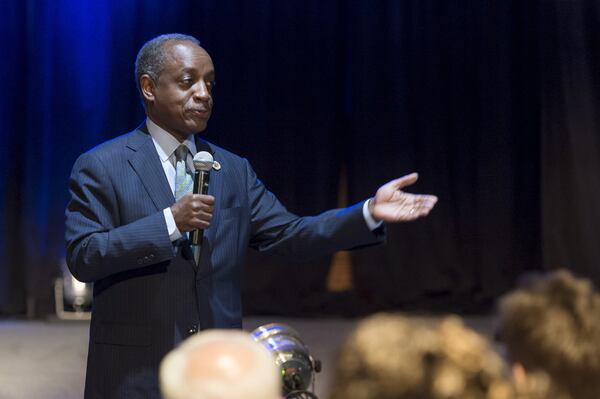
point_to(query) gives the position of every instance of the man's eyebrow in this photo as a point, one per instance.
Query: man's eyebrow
(210, 73)
(188, 70)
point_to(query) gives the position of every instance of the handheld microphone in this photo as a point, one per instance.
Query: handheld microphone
(203, 163)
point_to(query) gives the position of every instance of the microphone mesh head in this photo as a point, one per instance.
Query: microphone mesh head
(203, 161)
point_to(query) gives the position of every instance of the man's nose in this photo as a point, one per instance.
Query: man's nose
(201, 91)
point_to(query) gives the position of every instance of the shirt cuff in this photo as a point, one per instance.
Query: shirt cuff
(372, 224)
(174, 233)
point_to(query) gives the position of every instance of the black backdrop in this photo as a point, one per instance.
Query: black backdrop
(493, 103)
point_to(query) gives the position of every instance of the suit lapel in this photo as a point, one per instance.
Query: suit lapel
(146, 164)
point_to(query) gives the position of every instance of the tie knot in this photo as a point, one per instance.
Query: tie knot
(181, 153)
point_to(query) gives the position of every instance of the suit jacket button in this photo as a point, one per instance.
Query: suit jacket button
(193, 330)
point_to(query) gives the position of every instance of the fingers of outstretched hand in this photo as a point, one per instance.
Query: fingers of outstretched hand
(414, 206)
(402, 206)
(404, 181)
(424, 204)
(427, 201)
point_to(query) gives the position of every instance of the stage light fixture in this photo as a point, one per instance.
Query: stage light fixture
(73, 299)
(292, 357)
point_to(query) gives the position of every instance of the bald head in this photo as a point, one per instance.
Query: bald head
(224, 359)
(220, 364)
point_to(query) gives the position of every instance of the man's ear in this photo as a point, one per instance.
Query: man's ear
(147, 87)
(519, 375)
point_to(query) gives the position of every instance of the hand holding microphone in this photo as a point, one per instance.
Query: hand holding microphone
(193, 212)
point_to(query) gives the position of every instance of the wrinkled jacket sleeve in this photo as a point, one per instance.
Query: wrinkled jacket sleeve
(275, 229)
(97, 244)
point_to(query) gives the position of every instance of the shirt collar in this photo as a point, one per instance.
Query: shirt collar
(166, 143)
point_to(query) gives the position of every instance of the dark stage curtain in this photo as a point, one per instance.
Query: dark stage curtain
(492, 102)
(570, 149)
(450, 89)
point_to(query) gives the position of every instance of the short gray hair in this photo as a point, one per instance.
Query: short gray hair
(151, 58)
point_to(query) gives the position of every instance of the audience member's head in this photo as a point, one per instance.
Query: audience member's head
(220, 364)
(392, 357)
(535, 385)
(552, 323)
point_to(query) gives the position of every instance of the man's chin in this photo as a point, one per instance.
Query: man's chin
(198, 125)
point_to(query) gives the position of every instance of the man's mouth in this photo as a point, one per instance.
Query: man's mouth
(202, 113)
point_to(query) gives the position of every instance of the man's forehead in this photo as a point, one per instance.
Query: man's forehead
(178, 48)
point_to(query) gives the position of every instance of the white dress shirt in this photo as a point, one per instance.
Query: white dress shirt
(166, 145)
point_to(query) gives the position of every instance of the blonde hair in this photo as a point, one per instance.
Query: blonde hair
(553, 324)
(220, 364)
(537, 385)
(391, 357)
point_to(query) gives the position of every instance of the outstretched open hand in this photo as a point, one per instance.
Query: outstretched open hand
(391, 204)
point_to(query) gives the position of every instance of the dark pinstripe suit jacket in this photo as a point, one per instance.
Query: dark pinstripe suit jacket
(148, 293)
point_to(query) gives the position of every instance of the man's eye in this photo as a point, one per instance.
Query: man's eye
(186, 81)
(211, 84)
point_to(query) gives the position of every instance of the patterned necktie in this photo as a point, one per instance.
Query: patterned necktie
(183, 180)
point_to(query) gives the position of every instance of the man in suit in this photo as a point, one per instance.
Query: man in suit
(130, 212)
